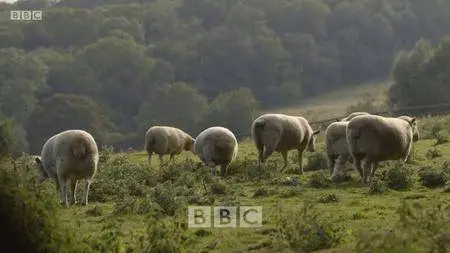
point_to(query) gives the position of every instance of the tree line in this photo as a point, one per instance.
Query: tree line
(116, 67)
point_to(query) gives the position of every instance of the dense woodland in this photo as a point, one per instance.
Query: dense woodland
(116, 67)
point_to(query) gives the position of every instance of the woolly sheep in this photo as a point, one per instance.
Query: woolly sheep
(336, 144)
(71, 154)
(376, 138)
(216, 146)
(281, 133)
(166, 140)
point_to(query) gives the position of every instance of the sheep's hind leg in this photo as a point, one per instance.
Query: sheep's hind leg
(300, 161)
(73, 187)
(87, 184)
(367, 170)
(284, 154)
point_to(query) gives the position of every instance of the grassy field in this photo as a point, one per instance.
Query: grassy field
(136, 207)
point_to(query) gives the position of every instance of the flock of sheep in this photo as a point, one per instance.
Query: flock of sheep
(73, 154)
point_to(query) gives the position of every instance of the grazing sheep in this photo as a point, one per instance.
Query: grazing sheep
(352, 115)
(166, 140)
(71, 154)
(216, 146)
(281, 133)
(336, 144)
(376, 138)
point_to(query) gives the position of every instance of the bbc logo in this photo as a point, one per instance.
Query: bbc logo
(225, 217)
(25, 15)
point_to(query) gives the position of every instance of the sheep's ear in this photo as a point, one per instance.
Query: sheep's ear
(413, 120)
(316, 132)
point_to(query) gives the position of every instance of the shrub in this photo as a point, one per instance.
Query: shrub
(398, 177)
(418, 229)
(433, 153)
(319, 180)
(431, 178)
(261, 192)
(377, 186)
(328, 198)
(303, 231)
(29, 212)
(316, 161)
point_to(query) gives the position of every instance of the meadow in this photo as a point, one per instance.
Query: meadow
(134, 208)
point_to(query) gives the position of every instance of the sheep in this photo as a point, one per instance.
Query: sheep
(71, 154)
(281, 133)
(216, 146)
(376, 138)
(336, 144)
(166, 140)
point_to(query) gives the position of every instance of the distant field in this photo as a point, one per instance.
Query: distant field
(335, 103)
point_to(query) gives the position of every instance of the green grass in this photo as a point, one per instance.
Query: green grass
(354, 210)
(347, 205)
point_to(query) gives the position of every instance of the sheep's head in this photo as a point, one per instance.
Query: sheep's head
(312, 141)
(42, 173)
(189, 145)
(415, 129)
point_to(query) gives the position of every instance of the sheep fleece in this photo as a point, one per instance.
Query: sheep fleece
(291, 132)
(165, 140)
(216, 146)
(379, 138)
(76, 149)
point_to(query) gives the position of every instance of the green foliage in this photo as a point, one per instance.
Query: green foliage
(433, 153)
(316, 161)
(30, 214)
(421, 75)
(303, 231)
(377, 186)
(398, 177)
(234, 110)
(418, 229)
(6, 138)
(319, 180)
(328, 198)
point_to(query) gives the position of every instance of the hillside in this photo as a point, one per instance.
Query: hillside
(336, 102)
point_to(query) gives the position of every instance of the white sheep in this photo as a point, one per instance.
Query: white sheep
(71, 154)
(216, 146)
(336, 144)
(377, 138)
(281, 133)
(166, 140)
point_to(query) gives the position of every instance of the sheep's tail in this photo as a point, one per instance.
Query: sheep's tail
(80, 148)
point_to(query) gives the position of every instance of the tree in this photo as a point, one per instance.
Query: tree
(234, 110)
(67, 111)
(177, 104)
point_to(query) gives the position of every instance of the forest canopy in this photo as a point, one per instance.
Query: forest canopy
(116, 67)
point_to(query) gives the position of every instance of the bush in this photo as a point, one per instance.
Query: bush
(418, 229)
(398, 177)
(328, 198)
(319, 180)
(29, 213)
(316, 161)
(377, 186)
(302, 231)
(433, 153)
(431, 178)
